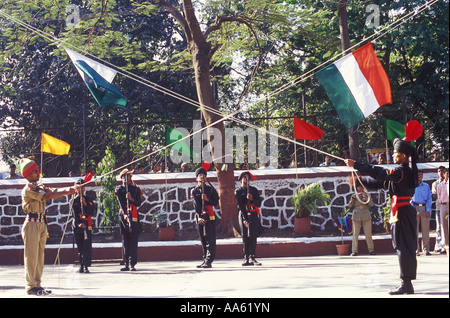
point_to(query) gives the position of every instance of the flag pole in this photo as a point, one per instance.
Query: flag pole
(84, 137)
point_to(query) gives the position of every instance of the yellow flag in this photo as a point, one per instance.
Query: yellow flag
(53, 145)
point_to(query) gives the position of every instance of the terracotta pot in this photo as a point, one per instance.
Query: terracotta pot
(302, 226)
(343, 249)
(166, 233)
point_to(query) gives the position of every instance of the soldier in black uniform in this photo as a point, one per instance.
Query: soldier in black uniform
(400, 182)
(82, 210)
(129, 197)
(249, 201)
(205, 198)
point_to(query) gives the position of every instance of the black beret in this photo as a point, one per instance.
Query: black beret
(200, 171)
(243, 174)
(402, 146)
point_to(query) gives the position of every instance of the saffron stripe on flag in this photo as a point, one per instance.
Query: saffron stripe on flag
(374, 73)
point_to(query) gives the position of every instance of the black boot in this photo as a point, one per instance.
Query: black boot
(126, 268)
(254, 261)
(247, 262)
(405, 287)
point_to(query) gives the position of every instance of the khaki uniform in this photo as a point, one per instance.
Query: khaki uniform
(361, 217)
(34, 233)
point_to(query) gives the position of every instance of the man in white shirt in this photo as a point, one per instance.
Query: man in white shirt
(441, 176)
(442, 197)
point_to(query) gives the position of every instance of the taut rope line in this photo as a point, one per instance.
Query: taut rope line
(178, 96)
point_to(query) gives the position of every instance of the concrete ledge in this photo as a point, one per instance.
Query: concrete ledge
(192, 250)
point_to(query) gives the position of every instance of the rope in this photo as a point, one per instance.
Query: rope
(57, 260)
(180, 97)
(356, 176)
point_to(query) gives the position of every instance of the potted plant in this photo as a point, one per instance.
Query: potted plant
(166, 232)
(341, 221)
(387, 214)
(304, 202)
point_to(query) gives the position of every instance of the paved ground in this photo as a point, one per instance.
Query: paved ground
(300, 277)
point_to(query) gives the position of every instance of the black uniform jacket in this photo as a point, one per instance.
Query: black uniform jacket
(241, 197)
(213, 198)
(398, 181)
(135, 194)
(89, 211)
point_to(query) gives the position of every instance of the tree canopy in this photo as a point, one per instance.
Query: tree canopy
(260, 46)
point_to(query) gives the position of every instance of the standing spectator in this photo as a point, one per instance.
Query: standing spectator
(139, 169)
(184, 167)
(12, 173)
(422, 202)
(441, 176)
(156, 167)
(361, 217)
(436, 156)
(327, 162)
(442, 196)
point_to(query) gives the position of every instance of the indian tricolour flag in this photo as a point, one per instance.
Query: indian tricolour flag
(98, 79)
(357, 85)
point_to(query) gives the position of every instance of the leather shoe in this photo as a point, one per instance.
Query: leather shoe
(247, 263)
(404, 288)
(254, 261)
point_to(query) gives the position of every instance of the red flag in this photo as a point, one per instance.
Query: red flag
(303, 130)
(88, 177)
(413, 130)
(206, 165)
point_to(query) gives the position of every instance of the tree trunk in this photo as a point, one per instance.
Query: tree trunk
(353, 137)
(201, 53)
(227, 200)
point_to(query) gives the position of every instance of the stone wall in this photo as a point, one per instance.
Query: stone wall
(173, 191)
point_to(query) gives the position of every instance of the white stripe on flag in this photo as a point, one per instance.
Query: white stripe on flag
(104, 71)
(358, 85)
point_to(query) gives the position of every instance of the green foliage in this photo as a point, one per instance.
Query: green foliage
(386, 213)
(306, 197)
(108, 201)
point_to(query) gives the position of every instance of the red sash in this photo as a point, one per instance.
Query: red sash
(253, 208)
(395, 205)
(133, 212)
(210, 211)
(86, 217)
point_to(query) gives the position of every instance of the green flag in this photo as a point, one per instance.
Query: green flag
(394, 129)
(98, 79)
(172, 135)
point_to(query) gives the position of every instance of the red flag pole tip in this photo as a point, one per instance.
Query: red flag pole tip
(206, 165)
(413, 130)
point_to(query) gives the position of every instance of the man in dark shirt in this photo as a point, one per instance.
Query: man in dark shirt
(401, 183)
(205, 198)
(129, 197)
(249, 201)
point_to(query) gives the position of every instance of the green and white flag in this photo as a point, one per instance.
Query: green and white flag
(98, 79)
(183, 146)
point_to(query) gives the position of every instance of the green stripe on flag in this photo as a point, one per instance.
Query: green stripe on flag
(104, 92)
(341, 97)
